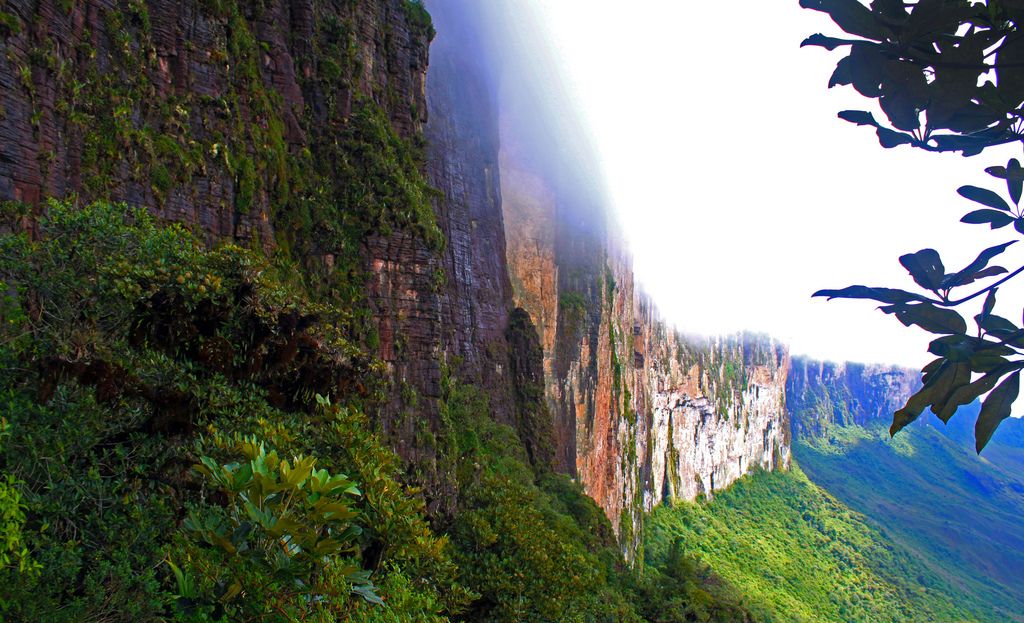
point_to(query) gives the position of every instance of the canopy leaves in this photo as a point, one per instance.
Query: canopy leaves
(947, 74)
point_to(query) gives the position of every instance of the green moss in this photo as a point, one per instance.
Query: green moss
(418, 18)
(9, 24)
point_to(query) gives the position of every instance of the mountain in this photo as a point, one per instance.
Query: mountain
(961, 514)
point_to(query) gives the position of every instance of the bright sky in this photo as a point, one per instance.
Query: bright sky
(740, 190)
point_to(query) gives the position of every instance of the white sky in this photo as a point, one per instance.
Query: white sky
(740, 191)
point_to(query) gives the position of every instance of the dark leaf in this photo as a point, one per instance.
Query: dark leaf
(984, 197)
(997, 325)
(991, 271)
(966, 394)
(929, 317)
(1009, 78)
(969, 118)
(977, 268)
(866, 68)
(931, 18)
(1018, 224)
(925, 267)
(882, 295)
(904, 94)
(915, 405)
(945, 385)
(932, 367)
(995, 409)
(990, 302)
(890, 138)
(829, 43)
(1013, 173)
(994, 218)
(891, 9)
(841, 76)
(851, 16)
(860, 117)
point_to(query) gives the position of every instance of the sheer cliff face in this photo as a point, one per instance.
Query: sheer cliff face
(641, 413)
(231, 118)
(174, 86)
(820, 395)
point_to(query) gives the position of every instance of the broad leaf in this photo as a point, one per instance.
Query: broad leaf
(829, 43)
(945, 385)
(995, 409)
(912, 410)
(929, 317)
(851, 16)
(1013, 173)
(994, 218)
(925, 267)
(890, 138)
(966, 394)
(882, 295)
(975, 269)
(990, 302)
(984, 197)
(860, 117)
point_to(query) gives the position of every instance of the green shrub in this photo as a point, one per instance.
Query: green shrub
(128, 347)
(284, 542)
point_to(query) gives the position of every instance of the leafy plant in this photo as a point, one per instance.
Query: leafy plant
(925, 62)
(926, 65)
(968, 364)
(285, 537)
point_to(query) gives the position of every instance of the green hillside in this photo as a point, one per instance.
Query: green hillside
(797, 554)
(960, 514)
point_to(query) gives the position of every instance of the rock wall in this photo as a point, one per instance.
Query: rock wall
(165, 104)
(820, 395)
(261, 122)
(641, 413)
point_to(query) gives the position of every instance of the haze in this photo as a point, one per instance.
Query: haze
(739, 190)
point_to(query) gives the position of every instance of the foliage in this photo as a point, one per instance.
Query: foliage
(796, 554)
(960, 515)
(286, 537)
(533, 549)
(927, 63)
(122, 339)
(968, 364)
(13, 552)
(682, 589)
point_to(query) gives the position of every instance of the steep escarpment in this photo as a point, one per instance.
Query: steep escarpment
(459, 222)
(821, 395)
(641, 412)
(295, 128)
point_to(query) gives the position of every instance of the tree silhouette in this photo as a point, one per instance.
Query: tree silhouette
(949, 76)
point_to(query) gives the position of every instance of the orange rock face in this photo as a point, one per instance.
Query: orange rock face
(642, 413)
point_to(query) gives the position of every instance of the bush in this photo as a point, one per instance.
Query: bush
(129, 348)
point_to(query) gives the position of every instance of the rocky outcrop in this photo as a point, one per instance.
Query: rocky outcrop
(820, 395)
